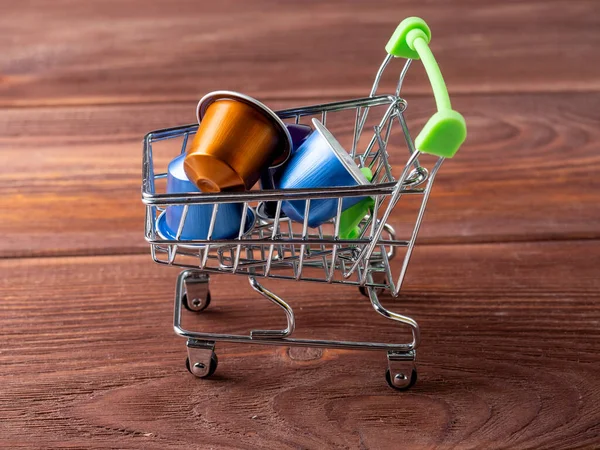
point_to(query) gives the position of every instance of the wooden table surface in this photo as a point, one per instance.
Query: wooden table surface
(505, 278)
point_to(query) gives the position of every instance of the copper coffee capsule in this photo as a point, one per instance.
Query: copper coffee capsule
(238, 138)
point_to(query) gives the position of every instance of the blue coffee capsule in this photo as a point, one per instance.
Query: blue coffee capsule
(299, 134)
(197, 221)
(319, 162)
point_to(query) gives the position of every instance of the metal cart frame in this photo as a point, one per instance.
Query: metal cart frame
(277, 248)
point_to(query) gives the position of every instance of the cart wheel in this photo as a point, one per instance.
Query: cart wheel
(214, 362)
(197, 303)
(363, 290)
(411, 383)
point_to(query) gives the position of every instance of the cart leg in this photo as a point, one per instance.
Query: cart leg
(202, 360)
(289, 313)
(197, 294)
(414, 326)
(402, 372)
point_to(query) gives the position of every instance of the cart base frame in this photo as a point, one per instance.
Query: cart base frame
(192, 293)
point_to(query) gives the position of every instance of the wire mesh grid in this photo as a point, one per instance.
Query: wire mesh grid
(277, 247)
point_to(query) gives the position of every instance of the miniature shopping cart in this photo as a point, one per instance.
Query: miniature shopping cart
(277, 248)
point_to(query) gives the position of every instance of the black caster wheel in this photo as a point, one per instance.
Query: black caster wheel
(413, 380)
(200, 306)
(363, 291)
(214, 362)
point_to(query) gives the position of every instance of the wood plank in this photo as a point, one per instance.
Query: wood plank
(510, 357)
(139, 51)
(71, 175)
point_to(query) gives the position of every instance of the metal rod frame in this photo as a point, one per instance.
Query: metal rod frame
(279, 247)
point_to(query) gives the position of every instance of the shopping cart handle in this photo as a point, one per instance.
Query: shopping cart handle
(445, 131)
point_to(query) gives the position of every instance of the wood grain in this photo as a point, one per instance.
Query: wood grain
(138, 51)
(72, 174)
(509, 357)
(504, 281)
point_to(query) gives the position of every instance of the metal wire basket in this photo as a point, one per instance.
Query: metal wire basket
(273, 246)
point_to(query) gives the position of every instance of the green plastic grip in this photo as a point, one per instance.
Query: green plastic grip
(351, 217)
(446, 130)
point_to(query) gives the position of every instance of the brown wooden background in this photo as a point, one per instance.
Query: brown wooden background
(505, 281)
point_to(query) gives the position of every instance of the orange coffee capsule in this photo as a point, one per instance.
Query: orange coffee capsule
(238, 138)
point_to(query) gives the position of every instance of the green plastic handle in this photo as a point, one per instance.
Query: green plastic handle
(446, 130)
